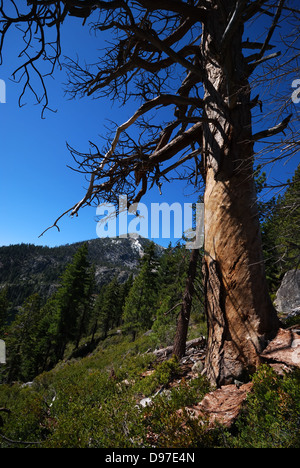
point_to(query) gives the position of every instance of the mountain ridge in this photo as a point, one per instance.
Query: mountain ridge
(26, 269)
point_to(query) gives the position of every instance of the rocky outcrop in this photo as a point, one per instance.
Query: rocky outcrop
(288, 296)
(27, 269)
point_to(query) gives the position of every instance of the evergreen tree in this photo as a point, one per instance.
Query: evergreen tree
(23, 341)
(3, 311)
(140, 305)
(124, 291)
(281, 233)
(113, 302)
(109, 306)
(72, 299)
(101, 317)
(84, 319)
(265, 207)
(48, 334)
(287, 220)
(171, 279)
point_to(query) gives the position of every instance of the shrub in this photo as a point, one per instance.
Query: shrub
(26, 419)
(163, 374)
(167, 427)
(272, 414)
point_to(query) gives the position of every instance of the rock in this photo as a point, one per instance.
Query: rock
(146, 402)
(198, 367)
(284, 349)
(288, 296)
(27, 385)
(149, 400)
(293, 314)
(222, 406)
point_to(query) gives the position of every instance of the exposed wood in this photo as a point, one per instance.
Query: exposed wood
(165, 352)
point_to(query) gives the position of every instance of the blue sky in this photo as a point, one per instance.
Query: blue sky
(35, 184)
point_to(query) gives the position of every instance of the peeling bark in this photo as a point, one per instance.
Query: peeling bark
(241, 318)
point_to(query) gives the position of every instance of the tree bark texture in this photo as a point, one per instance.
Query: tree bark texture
(241, 318)
(185, 313)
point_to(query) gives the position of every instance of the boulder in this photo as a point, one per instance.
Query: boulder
(198, 367)
(288, 296)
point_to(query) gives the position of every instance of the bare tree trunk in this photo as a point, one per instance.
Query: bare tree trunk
(241, 318)
(185, 313)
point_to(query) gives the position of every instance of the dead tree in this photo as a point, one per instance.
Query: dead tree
(196, 58)
(186, 307)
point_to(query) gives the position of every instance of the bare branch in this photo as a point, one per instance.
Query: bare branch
(273, 131)
(177, 144)
(176, 6)
(234, 23)
(253, 8)
(252, 66)
(162, 47)
(159, 155)
(256, 45)
(259, 59)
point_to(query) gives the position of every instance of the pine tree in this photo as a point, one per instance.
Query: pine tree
(3, 311)
(288, 225)
(23, 341)
(171, 279)
(108, 308)
(101, 317)
(84, 319)
(48, 334)
(140, 305)
(281, 233)
(71, 299)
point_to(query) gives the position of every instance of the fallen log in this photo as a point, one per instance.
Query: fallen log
(167, 352)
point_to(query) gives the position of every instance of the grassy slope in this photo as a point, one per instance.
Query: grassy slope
(93, 403)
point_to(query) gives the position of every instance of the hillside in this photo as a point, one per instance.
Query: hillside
(93, 368)
(123, 396)
(26, 269)
(110, 383)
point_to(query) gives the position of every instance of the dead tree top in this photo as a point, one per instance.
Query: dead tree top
(155, 57)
